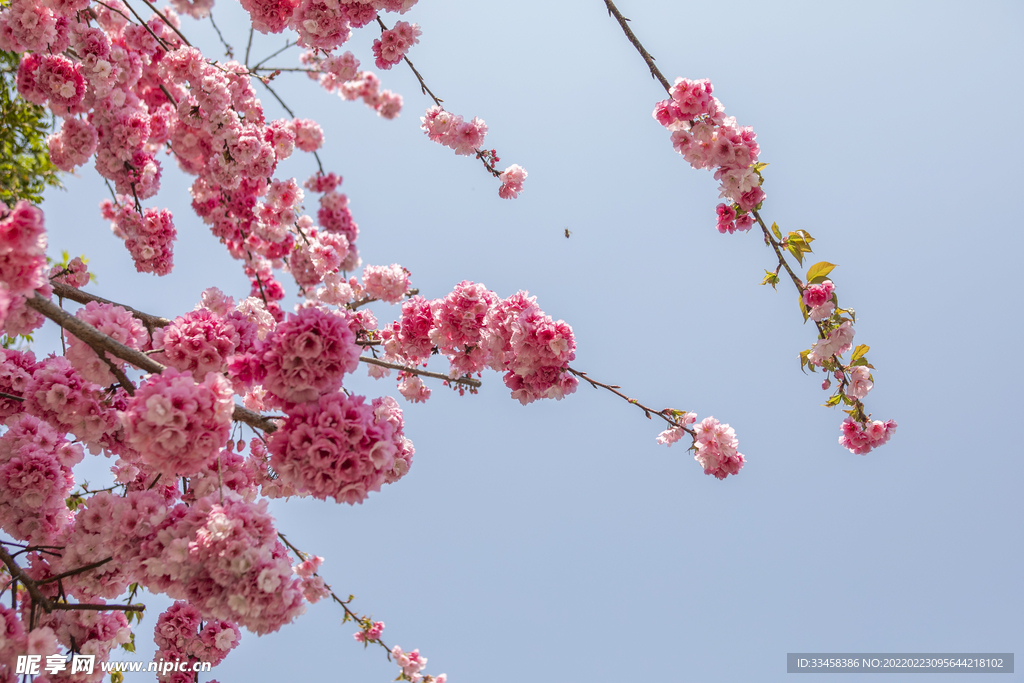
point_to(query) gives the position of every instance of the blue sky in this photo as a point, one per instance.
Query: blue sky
(558, 541)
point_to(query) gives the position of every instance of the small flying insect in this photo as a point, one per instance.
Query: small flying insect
(567, 233)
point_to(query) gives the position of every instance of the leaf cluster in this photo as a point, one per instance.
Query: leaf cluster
(25, 166)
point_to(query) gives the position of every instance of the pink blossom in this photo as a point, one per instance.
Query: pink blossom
(73, 145)
(75, 273)
(321, 24)
(113, 321)
(413, 389)
(336, 447)
(693, 98)
(512, 181)
(149, 238)
(860, 382)
(202, 341)
(177, 425)
(306, 356)
(387, 283)
(394, 43)
(224, 557)
(838, 342)
(22, 248)
(716, 448)
(861, 438)
(309, 137)
(270, 16)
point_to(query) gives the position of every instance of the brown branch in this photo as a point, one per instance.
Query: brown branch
(344, 603)
(614, 388)
(77, 295)
(19, 574)
(96, 608)
(655, 72)
(271, 56)
(73, 572)
(101, 342)
(21, 398)
(468, 381)
(248, 47)
(91, 336)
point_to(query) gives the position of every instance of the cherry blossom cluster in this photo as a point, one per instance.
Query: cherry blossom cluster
(714, 444)
(862, 437)
(340, 74)
(476, 330)
(22, 250)
(452, 131)
(226, 560)
(370, 633)
(411, 664)
(35, 478)
(341, 447)
(177, 425)
(149, 236)
(72, 145)
(74, 273)
(88, 632)
(394, 43)
(306, 356)
(707, 138)
(58, 394)
(313, 587)
(181, 633)
(113, 321)
(203, 340)
(467, 138)
(321, 24)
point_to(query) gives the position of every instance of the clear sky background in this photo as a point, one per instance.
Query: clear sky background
(558, 542)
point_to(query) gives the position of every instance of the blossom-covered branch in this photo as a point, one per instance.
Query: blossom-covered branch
(707, 138)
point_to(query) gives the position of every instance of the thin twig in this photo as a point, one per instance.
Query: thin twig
(270, 56)
(172, 26)
(344, 603)
(73, 572)
(248, 46)
(623, 22)
(230, 50)
(614, 388)
(468, 381)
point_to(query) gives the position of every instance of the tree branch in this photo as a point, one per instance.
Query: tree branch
(468, 381)
(101, 342)
(655, 72)
(664, 414)
(77, 295)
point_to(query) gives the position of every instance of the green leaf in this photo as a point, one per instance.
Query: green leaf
(818, 272)
(805, 235)
(775, 229)
(860, 351)
(770, 278)
(760, 166)
(833, 401)
(864, 362)
(803, 306)
(794, 249)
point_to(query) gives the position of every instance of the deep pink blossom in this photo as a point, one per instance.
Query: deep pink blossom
(177, 425)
